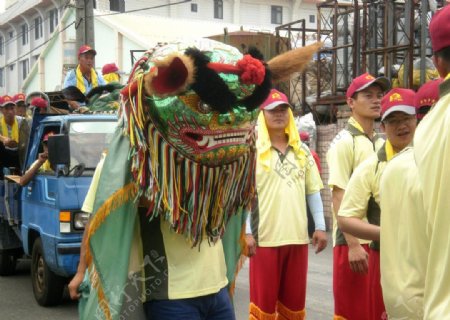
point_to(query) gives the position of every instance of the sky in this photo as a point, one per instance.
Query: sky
(2, 6)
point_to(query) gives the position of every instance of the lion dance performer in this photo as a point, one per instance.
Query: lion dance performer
(179, 172)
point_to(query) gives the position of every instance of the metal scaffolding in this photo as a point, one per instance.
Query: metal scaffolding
(382, 37)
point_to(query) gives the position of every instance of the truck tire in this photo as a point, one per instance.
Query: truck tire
(7, 263)
(47, 286)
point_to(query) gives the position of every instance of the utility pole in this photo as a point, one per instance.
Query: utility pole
(85, 22)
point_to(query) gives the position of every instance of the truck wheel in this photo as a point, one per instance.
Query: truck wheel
(7, 264)
(47, 286)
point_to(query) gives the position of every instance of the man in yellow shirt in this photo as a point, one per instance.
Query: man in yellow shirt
(286, 175)
(348, 149)
(432, 156)
(362, 197)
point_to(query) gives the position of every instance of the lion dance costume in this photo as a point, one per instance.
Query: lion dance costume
(180, 166)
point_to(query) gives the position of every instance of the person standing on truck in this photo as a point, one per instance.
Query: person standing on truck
(349, 148)
(84, 76)
(14, 133)
(21, 107)
(42, 164)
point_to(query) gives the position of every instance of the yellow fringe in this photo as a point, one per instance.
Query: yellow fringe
(257, 314)
(339, 318)
(284, 312)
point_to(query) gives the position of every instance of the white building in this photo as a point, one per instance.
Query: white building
(37, 37)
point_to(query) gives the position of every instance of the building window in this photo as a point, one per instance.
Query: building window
(117, 5)
(25, 68)
(37, 28)
(312, 18)
(218, 9)
(24, 28)
(277, 15)
(193, 7)
(2, 45)
(11, 34)
(2, 77)
(95, 4)
(53, 19)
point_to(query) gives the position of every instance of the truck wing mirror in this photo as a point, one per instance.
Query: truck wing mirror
(59, 150)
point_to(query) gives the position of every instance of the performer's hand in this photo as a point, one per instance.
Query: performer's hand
(74, 284)
(251, 245)
(319, 240)
(358, 259)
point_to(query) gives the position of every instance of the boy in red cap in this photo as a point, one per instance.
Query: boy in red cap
(278, 239)
(84, 77)
(432, 156)
(359, 213)
(348, 149)
(426, 97)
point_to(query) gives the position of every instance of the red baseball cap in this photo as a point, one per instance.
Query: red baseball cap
(18, 97)
(5, 100)
(39, 102)
(428, 93)
(110, 68)
(274, 99)
(439, 29)
(398, 99)
(366, 80)
(84, 49)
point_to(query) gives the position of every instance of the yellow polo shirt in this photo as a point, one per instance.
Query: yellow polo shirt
(364, 183)
(403, 239)
(347, 151)
(280, 217)
(432, 155)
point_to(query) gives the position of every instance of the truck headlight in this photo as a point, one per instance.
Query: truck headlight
(80, 220)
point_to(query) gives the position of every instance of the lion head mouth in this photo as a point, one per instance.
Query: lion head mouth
(202, 140)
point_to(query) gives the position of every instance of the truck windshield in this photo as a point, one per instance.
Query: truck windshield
(88, 139)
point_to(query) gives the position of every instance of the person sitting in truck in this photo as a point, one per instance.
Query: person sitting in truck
(42, 164)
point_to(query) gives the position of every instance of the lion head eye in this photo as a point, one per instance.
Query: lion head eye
(204, 107)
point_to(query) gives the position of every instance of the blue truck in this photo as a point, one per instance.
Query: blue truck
(43, 219)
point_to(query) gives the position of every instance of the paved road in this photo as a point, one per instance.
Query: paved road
(17, 301)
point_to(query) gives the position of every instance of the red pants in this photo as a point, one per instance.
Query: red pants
(350, 289)
(278, 282)
(377, 310)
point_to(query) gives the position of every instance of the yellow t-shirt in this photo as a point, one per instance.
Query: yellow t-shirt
(347, 151)
(403, 240)
(193, 272)
(280, 217)
(432, 155)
